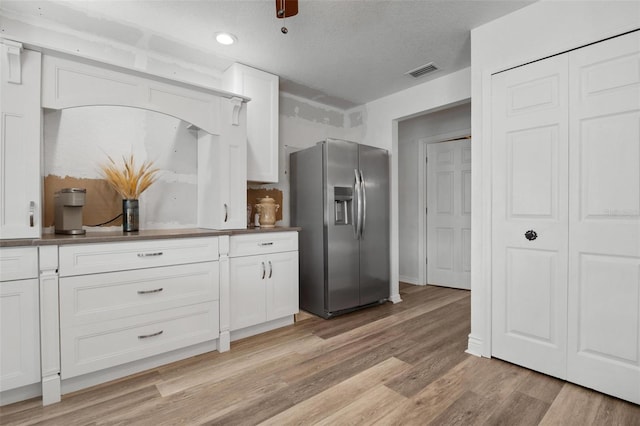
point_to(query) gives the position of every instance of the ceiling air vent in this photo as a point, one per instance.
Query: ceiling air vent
(422, 70)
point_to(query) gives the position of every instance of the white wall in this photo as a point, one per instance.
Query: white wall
(542, 29)
(411, 185)
(381, 129)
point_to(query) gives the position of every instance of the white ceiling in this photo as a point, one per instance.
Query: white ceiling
(340, 53)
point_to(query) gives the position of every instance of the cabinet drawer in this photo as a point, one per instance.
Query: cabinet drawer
(108, 257)
(94, 298)
(264, 243)
(93, 347)
(18, 263)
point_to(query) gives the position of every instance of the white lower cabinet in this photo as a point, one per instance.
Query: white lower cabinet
(113, 318)
(264, 286)
(19, 318)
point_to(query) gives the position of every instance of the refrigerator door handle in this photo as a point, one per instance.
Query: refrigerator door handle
(356, 206)
(363, 212)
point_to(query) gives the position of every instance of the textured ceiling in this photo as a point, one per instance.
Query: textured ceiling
(340, 53)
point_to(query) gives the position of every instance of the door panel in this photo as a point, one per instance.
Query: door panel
(374, 244)
(449, 214)
(604, 225)
(609, 281)
(607, 144)
(532, 173)
(530, 150)
(532, 278)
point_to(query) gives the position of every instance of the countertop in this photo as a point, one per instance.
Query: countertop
(150, 234)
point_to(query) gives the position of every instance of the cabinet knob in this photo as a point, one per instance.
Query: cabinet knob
(531, 235)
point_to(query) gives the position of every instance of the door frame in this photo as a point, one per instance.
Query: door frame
(422, 194)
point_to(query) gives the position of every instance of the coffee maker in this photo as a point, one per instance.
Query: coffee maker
(68, 213)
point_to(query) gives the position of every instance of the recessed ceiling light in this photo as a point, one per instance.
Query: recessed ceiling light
(226, 38)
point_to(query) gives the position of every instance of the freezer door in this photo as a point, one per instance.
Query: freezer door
(342, 289)
(307, 211)
(374, 241)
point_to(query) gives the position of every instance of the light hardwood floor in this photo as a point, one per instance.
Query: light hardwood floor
(400, 364)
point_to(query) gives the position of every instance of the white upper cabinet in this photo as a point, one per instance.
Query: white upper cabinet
(20, 127)
(222, 172)
(262, 119)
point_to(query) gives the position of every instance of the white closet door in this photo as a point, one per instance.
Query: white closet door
(530, 149)
(604, 227)
(449, 214)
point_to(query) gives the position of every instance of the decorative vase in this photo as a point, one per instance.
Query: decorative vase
(130, 215)
(267, 209)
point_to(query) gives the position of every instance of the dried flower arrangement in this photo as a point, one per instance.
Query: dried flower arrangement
(128, 180)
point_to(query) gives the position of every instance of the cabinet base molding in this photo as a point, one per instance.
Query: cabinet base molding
(224, 341)
(87, 380)
(20, 394)
(261, 328)
(395, 298)
(51, 389)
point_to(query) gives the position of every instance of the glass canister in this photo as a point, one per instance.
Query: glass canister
(267, 209)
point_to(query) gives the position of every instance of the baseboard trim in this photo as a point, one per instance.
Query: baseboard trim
(410, 280)
(474, 346)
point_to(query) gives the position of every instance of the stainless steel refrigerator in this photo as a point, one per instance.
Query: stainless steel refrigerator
(340, 198)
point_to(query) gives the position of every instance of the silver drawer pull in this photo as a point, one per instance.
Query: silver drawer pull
(264, 270)
(156, 290)
(266, 244)
(32, 212)
(159, 253)
(270, 269)
(151, 335)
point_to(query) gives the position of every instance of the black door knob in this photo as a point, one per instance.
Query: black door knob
(531, 235)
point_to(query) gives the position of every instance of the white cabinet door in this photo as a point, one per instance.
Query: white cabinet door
(282, 285)
(262, 119)
(604, 224)
(530, 150)
(263, 288)
(222, 173)
(449, 214)
(19, 334)
(20, 181)
(248, 291)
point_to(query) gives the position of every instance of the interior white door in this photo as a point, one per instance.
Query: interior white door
(530, 213)
(449, 214)
(604, 224)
